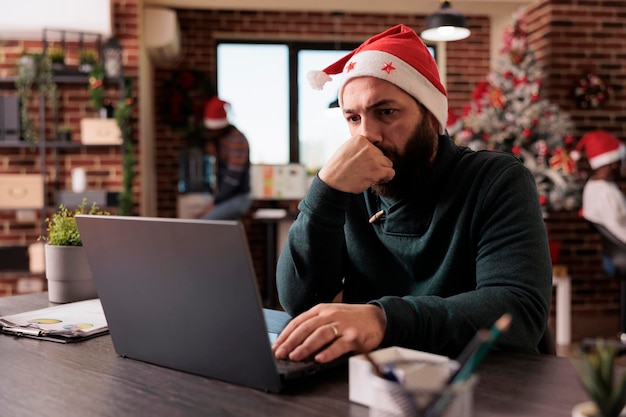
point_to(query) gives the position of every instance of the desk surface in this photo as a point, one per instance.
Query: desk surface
(89, 379)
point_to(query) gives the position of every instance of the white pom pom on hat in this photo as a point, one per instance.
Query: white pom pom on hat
(396, 55)
(601, 148)
(215, 116)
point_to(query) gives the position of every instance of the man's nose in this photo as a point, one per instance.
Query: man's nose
(369, 129)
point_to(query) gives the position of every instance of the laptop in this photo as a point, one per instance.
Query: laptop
(182, 294)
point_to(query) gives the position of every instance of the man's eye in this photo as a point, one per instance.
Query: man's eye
(352, 119)
(387, 112)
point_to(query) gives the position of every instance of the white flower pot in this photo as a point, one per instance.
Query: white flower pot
(68, 274)
(588, 409)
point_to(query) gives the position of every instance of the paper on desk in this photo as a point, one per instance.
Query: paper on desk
(66, 322)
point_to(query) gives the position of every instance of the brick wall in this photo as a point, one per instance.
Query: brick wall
(102, 164)
(570, 37)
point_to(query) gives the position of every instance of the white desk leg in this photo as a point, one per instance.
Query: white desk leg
(563, 310)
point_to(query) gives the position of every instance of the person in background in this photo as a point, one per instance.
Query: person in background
(425, 241)
(232, 198)
(603, 201)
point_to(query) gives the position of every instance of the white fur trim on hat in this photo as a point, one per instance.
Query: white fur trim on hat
(215, 123)
(606, 158)
(371, 63)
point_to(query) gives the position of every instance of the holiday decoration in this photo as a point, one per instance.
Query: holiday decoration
(96, 87)
(507, 113)
(591, 91)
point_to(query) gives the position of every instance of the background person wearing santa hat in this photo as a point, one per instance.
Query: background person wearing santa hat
(232, 198)
(426, 242)
(603, 201)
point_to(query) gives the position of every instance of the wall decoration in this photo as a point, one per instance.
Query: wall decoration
(591, 91)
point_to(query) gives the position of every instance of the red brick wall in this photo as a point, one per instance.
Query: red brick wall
(103, 165)
(570, 37)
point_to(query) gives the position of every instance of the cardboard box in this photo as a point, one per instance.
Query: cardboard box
(21, 191)
(100, 132)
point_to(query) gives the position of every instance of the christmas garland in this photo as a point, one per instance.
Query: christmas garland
(591, 91)
(96, 87)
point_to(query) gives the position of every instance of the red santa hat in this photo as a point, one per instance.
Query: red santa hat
(215, 116)
(601, 148)
(399, 56)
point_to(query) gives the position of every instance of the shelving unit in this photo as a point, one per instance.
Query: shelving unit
(51, 158)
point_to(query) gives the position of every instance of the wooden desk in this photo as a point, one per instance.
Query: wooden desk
(39, 378)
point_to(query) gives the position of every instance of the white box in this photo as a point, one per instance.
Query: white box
(100, 132)
(21, 191)
(274, 182)
(431, 371)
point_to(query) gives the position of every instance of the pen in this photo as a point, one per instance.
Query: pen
(377, 216)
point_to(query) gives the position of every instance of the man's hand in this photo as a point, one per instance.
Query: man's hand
(355, 166)
(331, 330)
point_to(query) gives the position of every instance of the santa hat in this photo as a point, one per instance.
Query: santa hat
(215, 116)
(601, 148)
(399, 56)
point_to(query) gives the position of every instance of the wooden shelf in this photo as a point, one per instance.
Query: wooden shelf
(67, 77)
(54, 145)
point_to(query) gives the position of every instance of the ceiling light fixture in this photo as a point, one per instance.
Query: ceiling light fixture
(445, 25)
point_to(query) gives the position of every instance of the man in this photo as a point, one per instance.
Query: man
(426, 241)
(232, 198)
(603, 201)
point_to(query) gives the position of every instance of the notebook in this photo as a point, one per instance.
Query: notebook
(182, 294)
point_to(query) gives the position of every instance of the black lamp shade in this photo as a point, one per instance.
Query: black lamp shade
(112, 58)
(445, 25)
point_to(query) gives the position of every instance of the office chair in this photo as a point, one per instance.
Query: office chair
(614, 265)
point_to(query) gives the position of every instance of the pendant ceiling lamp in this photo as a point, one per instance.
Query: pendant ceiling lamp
(445, 25)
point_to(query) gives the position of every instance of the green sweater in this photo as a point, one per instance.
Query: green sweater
(469, 246)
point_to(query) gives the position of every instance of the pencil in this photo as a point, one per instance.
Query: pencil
(377, 216)
(469, 360)
(473, 362)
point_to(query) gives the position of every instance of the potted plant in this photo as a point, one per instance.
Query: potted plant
(87, 59)
(595, 368)
(33, 70)
(64, 133)
(26, 76)
(67, 270)
(57, 59)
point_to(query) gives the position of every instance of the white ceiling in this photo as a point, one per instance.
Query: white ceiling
(468, 7)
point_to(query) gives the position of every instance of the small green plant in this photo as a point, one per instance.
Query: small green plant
(64, 129)
(56, 55)
(62, 228)
(87, 56)
(596, 372)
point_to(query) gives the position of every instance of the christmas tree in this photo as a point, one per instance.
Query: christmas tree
(508, 113)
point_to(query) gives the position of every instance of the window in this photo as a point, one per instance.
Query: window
(272, 103)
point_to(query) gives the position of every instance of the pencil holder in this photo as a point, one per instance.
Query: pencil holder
(393, 399)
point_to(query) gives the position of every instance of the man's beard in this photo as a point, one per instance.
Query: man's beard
(413, 165)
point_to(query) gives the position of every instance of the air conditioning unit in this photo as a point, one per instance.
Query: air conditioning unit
(162, 35)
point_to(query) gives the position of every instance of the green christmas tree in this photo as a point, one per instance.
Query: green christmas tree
(508, 113)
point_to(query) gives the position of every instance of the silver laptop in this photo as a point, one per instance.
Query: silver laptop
(183, 294)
